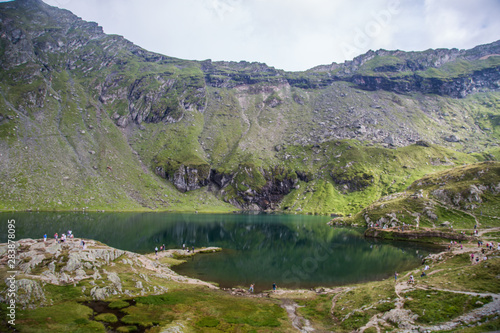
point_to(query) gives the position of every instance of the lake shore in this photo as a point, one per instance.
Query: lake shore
(51, 274)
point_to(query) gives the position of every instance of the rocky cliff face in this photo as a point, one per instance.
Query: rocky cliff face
(186, 177)
(457, 87)
(455, 73)
(110, 113)
(254, 188)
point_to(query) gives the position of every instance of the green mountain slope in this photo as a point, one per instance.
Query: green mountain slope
(465, 197)
(92, 121)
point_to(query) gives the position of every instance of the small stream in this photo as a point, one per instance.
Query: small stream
(101, 307)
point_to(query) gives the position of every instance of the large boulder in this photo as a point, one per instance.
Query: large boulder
(115, 279)
(29, 292)
(74, 262)
(99, 293)
(188, 178)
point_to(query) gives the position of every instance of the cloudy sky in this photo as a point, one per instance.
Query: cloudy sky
(292, 35)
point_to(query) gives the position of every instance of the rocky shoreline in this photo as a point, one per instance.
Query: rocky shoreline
(424, 235)
(66, 263)
(102, 273)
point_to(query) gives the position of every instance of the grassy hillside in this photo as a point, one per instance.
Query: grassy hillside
(91, 121)
(465, 196)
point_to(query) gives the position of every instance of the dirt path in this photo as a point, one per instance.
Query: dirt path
(336, 297)
(492, 308)
(299, 322)
(484, 231)
(405, 319)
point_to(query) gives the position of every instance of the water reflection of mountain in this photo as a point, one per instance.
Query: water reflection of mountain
(333, 257)
(141, 232)
(295, 250)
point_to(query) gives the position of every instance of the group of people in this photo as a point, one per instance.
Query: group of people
(162, 248)
(411, 279)
(186, 248)
(491, 245)
(475, 258)
(62, 238)
(452, 243)
(252, 286)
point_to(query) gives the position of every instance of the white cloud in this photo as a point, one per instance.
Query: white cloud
(468, 23)
(291, 34)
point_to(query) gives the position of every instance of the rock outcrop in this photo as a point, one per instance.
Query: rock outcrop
(68, 263)
(257, 188)
(186, 177)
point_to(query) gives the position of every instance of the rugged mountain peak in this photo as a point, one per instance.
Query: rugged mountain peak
(124, 125)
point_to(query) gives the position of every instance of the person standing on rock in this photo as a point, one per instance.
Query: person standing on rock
(156, 251)
(274, 286)
(251, 288)
(396, 276)
(44, 238)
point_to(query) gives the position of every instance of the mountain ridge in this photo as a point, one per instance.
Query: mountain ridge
(89, 115)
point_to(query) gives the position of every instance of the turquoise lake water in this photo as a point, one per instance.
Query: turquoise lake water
(294, 251)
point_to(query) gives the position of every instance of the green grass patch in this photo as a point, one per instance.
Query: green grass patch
(317, 310)
(119, 304)
(172, 261)
(147, 315)
(106, 317)
(458, 273)
(355, 308)
(126, 329)
(208, 322)
(385, 306)
(256, 316)
(433, 306)
(172, 298)
(486, 324)
(64, 317)
(206, 309)
(64, 293)
(492, 235)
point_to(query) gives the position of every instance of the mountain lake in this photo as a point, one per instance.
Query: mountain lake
(293, 251)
